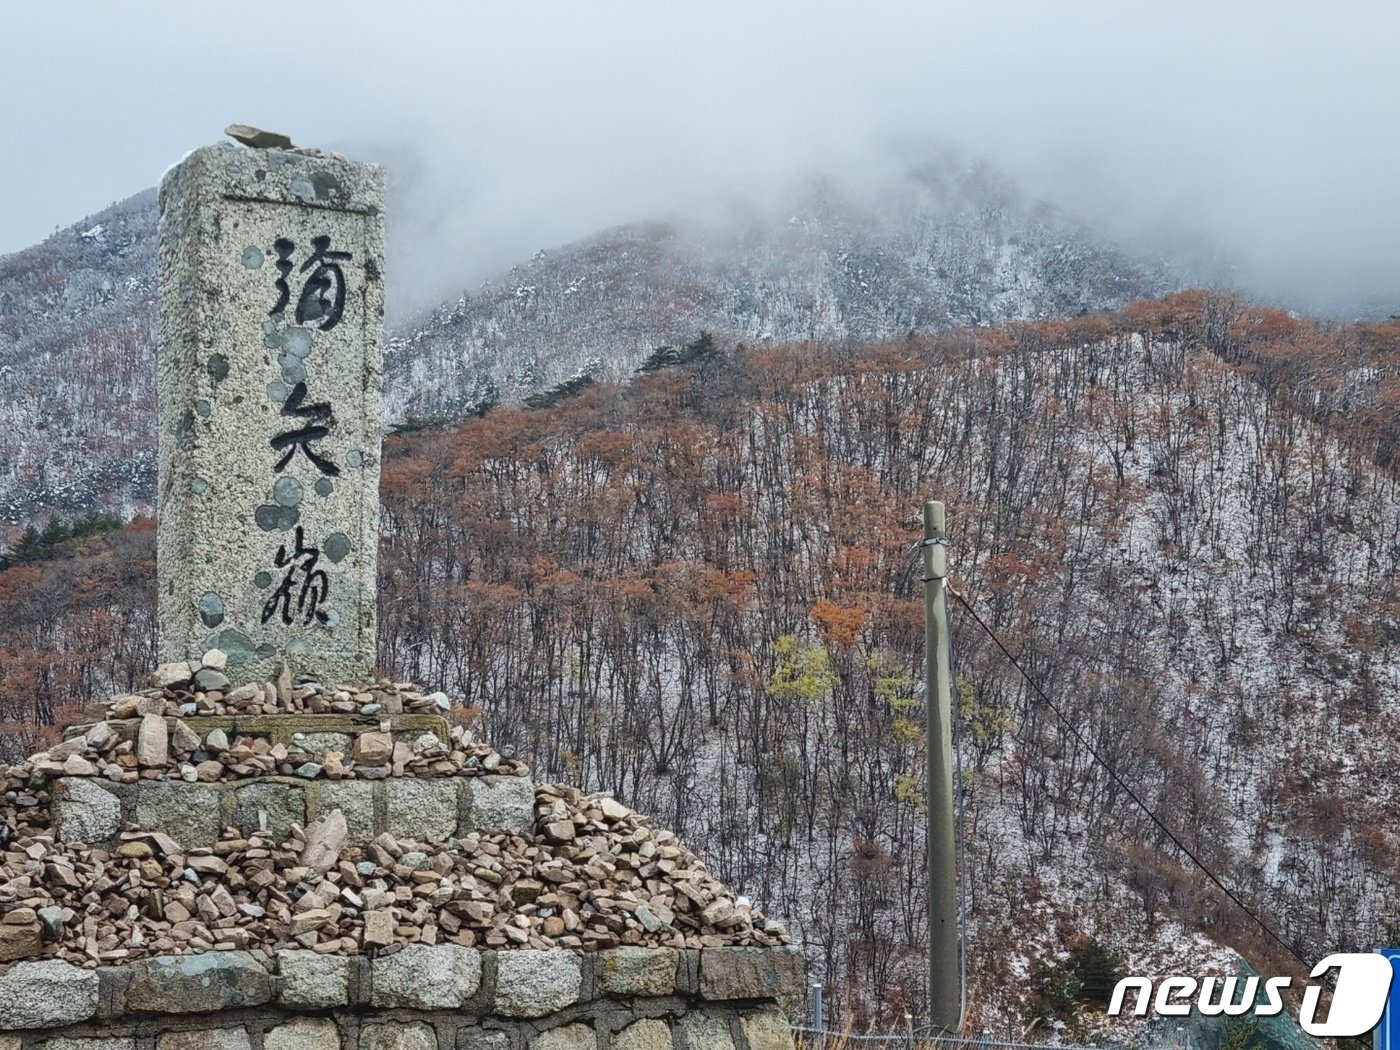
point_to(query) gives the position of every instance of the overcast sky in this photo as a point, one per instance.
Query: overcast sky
(1269, 128)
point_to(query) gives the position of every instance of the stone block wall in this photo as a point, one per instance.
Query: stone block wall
(195, 815)
(421, 997)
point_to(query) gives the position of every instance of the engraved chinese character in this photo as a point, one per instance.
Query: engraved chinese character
(310, 585)
(318, 418)
(284, 248)
(323, 294)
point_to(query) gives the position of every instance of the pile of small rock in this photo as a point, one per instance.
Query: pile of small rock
(589, 874)
(592, 875)
(166, 748)
(201, 687)
(172, 750)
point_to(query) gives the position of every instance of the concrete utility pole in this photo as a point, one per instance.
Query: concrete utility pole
(944, 971)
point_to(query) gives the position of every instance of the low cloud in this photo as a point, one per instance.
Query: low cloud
(1261, 134)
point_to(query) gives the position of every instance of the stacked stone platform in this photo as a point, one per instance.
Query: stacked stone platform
(185, 871)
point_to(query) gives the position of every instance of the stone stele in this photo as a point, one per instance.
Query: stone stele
(272, 305)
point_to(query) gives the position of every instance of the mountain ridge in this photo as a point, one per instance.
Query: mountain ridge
(949, 246)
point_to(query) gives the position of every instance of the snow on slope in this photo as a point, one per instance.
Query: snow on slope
(1241, 586)
(78, 313)
(1206, 587)
(939, 250)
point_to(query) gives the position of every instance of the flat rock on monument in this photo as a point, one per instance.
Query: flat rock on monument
(257, 137)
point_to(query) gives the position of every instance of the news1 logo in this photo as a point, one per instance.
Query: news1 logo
(1363, 999)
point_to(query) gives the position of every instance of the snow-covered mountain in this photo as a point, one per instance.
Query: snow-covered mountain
(940, 248)
(77, 366)
(937, 250)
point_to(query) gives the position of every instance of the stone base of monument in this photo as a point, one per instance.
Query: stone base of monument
(419, 998)
(269, 881)
(94, 809)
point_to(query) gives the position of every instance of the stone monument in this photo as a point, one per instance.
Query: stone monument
(271, 286)
(335, 862)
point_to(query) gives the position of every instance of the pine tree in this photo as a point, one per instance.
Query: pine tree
(562, 392)
(1098, 972)
(661, 357)
(699, 351)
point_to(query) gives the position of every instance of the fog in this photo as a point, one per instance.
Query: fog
(1263, 134)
